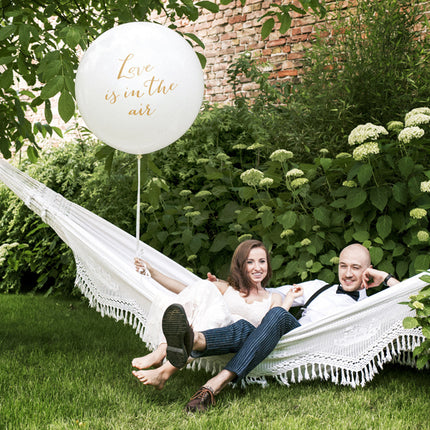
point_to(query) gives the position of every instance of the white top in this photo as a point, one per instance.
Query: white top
(241, 309)
(325, 304)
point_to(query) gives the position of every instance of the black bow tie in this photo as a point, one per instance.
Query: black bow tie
(354, 294)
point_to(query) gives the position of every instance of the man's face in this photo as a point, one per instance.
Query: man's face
(352, 263)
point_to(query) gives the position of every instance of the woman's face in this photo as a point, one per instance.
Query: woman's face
(256, 265)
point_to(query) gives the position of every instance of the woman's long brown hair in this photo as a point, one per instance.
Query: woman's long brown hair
(238, 277)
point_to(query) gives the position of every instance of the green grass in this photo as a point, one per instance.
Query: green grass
(63, 366)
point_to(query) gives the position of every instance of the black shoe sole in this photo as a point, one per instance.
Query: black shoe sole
(179, 335)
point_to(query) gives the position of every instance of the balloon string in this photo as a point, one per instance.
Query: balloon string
(138, 206)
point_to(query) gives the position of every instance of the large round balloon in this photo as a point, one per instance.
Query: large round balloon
(139, 87)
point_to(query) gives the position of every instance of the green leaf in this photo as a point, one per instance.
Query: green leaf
(267, 28)
(376, 255)
(402, 268)
(322, 215)
(276, 262)
(287, 220)
(6, 79)
(54, 86)
(410, 322)
(285, 23)
(196, 39)
(202, 59)
(267, 219)
(246, 193)
(73, 36)
(426, 332)
(406, 166)
(219, 242)
(364, 174)
(7, 31)
(355, 198)
(361, 236)
(379, 197)
(32, 154)
(400, 193)
(212, 7)
(422, 361)
(66, 106)
(383, 226)
(422, 262)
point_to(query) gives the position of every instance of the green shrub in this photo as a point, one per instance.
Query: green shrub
(366, 63)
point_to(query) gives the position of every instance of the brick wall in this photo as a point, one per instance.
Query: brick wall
(236, 29)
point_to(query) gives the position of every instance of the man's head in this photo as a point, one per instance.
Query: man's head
(353, 261)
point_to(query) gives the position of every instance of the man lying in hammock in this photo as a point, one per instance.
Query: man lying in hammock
(252, 345)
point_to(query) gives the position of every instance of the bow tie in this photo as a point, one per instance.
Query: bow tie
(354, 294)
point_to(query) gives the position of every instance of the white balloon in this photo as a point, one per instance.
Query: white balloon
(139, 87)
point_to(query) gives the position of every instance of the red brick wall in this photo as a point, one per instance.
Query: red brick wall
(236, 29)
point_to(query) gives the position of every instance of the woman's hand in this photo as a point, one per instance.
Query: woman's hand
(142, 266)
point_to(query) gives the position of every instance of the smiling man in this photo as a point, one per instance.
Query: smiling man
(252, 345)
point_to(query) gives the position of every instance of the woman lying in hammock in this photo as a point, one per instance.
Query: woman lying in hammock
(244, 297)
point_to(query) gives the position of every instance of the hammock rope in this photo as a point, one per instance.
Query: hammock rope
(347, 348)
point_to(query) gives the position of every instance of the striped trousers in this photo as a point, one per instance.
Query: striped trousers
(251, 344)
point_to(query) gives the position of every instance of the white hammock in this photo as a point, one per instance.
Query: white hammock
(346, 348)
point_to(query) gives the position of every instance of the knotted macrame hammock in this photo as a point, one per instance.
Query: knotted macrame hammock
(347, 348)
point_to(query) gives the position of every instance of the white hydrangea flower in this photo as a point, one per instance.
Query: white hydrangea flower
(418, 213)
(349, 184)
(192, 257)
(410, 133)
(305, 242)
(365, 132)
(364, 150)
(294, 173)
(423, 236)
(425, 187)
(286, 233)
(202, 161)
(245, 237)
(334, 260)
(184, 193)
(4, 250)
(324, 151)
(296, 183)
(240, 146)
(281, 155)
(252, 177)
(343, 155)
(222, 156)
(264, 208)
(255, 145)
(417, 119)
(187, 208)
(395, 126)
(421, 110)
(203, 193)
(266, 182)
(192, 214)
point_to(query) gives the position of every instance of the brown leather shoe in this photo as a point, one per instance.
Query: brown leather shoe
(202, 400)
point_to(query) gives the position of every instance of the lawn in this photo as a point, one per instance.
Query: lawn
(63, 366)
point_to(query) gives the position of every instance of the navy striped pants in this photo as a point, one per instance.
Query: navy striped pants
(251, 345)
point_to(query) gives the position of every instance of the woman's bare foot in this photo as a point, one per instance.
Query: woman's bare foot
(156, 377)
(154, 358)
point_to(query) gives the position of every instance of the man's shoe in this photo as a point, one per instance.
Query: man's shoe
(202, 400)
(179, 335)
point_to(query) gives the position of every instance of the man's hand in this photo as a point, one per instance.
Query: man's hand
(374, 278)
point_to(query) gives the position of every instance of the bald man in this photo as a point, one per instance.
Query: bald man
(252, 345)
